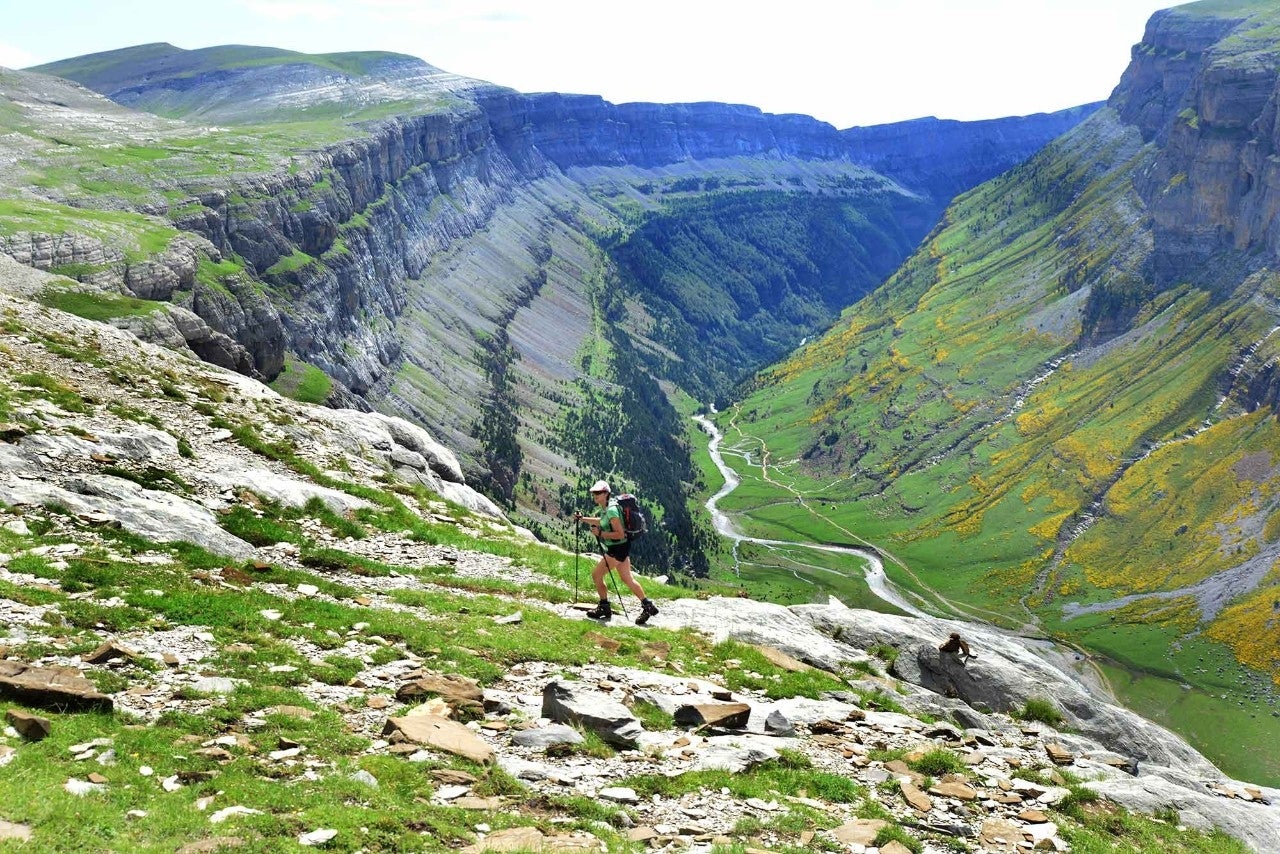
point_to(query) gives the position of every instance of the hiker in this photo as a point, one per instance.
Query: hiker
(956, 646)
(608, 530)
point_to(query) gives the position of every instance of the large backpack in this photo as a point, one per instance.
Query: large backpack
(633, 519)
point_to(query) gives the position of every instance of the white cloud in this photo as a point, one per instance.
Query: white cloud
(15, 57)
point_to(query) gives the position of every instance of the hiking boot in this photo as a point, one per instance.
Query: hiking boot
(603, 611)
(647, 610)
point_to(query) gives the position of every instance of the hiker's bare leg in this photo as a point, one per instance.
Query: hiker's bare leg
(624, 572)
(597, 576)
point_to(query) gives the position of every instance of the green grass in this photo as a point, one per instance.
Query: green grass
(303, 381)
(1040, 709)
(97, 306)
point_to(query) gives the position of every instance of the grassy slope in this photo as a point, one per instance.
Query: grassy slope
(915, 422)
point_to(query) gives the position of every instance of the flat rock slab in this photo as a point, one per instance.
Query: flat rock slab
(20, 832)
(441, 734)
(61, 688)
(780, 659)
(530, 839)
(858, 832)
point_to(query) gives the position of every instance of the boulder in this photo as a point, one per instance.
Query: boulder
(441, 734)
(573, 703)
(724, 715)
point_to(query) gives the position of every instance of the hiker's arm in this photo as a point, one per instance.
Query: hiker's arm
(616, 531)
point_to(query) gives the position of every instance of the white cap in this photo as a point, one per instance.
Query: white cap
(601, 486)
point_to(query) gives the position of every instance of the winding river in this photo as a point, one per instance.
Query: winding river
(877, 581)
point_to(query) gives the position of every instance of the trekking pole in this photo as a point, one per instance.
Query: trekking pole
(577, 532)
(619, 592)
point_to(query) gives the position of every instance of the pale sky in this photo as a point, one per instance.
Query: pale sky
(847, 62)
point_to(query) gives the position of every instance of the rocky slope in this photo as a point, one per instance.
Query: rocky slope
(316, 666)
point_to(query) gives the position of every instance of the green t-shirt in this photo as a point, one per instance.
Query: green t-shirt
(610, 513)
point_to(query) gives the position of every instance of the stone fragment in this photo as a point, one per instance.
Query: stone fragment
(20, 832)
(317, 837)
(214, 685)
(107, 651)
(1033, 816)
(1000, 834)
(916, 798)
(736, 753)
(80, 788)
(29, 726)
(1059, 754)
(893, 846)
(655, 651)
(470, 803)
(778, 724)
(98, 779)
(620, 794)
(228, 812)
(462, 694)
(449, 776)
(441, 734)
(724, 715)
(954, 789)
(509, 619)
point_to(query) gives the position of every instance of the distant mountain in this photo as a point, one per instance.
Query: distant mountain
(242, 83)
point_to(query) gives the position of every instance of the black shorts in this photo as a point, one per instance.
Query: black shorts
(619, 551)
